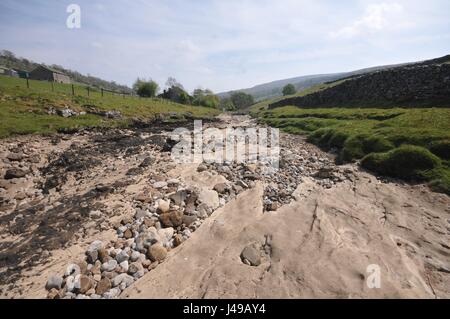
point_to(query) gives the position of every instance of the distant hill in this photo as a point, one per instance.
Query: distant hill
(274, 89)
(10, 60)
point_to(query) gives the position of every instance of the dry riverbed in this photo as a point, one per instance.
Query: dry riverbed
(108, 214)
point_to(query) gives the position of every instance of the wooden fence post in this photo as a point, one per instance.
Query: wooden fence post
(102, 92)
(87, 90)
(28, 83)
(73, 90)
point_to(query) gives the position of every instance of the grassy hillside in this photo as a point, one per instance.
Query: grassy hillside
(385, 139)
(9, 60)
(263, 105)
(24, 110)
(273, 90)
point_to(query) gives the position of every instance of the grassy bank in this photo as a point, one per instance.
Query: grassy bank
(386, 140)
(24, 111)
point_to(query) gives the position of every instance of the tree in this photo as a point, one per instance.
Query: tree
(226, 104)
(177, 95)
(241, 100)
(146, 88)
(289, 90)
(205, 98)
(8, 54)
(172, 82)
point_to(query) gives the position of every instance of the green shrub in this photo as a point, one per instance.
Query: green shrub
(289, 90)
(147, 89)
(407, 161)
(338, 139)
(353, 148)
(324, 140)
(377, 144)
(316, 136)
(440, 179)
(441, 149)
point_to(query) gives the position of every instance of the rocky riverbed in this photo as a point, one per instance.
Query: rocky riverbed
(109, 214)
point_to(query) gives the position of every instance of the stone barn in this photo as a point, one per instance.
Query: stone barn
(44, 73)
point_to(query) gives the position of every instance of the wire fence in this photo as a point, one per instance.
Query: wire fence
(72, 89)
(76, 89)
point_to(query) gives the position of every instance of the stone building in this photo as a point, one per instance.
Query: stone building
(44, 73)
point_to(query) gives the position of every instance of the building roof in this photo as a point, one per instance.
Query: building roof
(51, 69)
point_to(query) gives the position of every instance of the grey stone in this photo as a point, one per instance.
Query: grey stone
(95, 214)
(221, 188)
(122, 256)
(122, 278)
(66, 112)
(209, 197)
(140, 213)
(124, 265)
(252, 255)
(146, 239)
(135, 256)
(110, 265)
(15, 157)
(165, 234)
(159, 185)
(179, 197)
(112, 293)
(70, 283)
(136, 270)
(72, 270)
(54, 282)
(15, 173)
(188, 220)
(92, 256)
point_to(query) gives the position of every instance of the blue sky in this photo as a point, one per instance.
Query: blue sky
(225, 44)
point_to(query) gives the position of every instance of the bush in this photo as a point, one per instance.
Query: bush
(441, 149)
(147, 89)
(407, 161)
(353, 148)
(316, 136)
(242, 100)
(205, 98)
(377, 144)
(440, 179)
(338, 139)
(289, 90)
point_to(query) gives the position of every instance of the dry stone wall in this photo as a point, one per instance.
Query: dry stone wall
(418, 85)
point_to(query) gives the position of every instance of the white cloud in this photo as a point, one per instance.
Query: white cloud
(377, 17)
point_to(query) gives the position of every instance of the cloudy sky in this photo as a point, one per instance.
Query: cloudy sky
(225, 44)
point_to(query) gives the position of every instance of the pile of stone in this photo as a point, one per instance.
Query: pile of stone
(161, 222)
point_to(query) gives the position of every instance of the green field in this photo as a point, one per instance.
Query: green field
(389, 133)
(24, 111)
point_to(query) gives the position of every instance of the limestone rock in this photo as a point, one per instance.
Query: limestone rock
(157, 252)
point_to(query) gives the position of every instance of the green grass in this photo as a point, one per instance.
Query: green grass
(380, 133)
(24, 111)
(406, 161)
